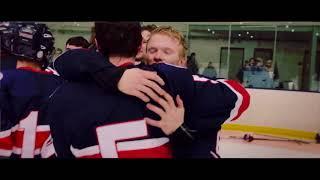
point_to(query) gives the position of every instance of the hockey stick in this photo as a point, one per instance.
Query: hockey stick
(250, 138)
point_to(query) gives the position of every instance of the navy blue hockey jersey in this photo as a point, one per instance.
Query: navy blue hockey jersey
(208, 104)
(23, 130)
(89, 122)
(7, 61)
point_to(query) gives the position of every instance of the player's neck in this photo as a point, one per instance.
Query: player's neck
(32, 65)
(118, 61)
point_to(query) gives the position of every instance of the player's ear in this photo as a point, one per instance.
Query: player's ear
(183, 62)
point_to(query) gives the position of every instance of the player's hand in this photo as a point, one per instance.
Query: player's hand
(171, 118)
(141, 84)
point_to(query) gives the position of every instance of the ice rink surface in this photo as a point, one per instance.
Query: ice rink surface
(230, 147)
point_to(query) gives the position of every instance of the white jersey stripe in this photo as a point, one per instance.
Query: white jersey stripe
(43, 128)
(6, 133)
(203, 79)
(214, 154)
(5, 153)
(18, 151)
(49, 69)
(88, 151)
(122, 146)
(218, 142)
(142, 144)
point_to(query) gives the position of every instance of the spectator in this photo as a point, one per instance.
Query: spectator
(240, 74)
(210, 71)
(192, 63)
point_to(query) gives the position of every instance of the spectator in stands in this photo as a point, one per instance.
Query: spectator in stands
(210, 71)
(192, 63)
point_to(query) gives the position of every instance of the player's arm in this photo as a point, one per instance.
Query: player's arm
(208, 103)
(82, 64)
(217, 101)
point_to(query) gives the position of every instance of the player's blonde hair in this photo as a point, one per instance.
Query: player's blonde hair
(173, 33)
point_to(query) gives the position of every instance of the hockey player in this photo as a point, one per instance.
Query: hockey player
(167, 45)
(25, 90)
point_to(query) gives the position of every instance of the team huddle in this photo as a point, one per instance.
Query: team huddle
(128, 95)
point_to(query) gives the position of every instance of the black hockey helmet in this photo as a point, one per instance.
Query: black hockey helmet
(30, 40)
